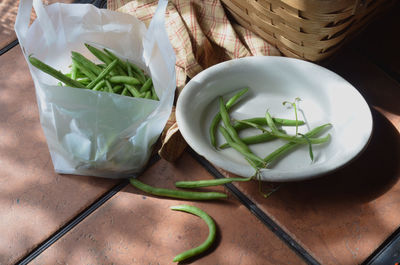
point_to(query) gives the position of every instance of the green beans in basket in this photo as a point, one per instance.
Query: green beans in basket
(113, 75)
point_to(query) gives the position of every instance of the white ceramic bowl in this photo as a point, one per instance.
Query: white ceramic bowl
(325, 98)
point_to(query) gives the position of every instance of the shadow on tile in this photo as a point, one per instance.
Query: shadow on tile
(372, 174)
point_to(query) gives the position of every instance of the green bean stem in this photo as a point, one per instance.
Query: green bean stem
(103, 74)
(212, 231)
(187, 195)
(289, 146)
(208, 182)
(54, 73)
(217, 117)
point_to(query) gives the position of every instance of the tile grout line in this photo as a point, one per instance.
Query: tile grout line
(261, 215)
(81, 216)
(383, 252)
(74, 222)
(8, 47)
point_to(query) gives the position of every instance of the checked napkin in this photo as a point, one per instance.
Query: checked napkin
(202, 35)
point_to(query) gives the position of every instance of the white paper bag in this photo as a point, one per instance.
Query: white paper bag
(91, 132)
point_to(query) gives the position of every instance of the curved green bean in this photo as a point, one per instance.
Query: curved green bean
(212, 231)
(188, 195)
(217, 117)
(208, 182)
(54, 73)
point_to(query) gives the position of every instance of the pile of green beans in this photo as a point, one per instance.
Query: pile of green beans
(230, 131)
(113, 75)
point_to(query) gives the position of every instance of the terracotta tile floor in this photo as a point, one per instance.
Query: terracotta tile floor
(344, 218)
(133, 228)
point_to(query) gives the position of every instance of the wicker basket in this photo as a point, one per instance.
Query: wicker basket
(307, 29)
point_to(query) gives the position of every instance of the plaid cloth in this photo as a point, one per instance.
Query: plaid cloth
(201, 35)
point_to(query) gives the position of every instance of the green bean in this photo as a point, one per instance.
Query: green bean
(188, 195)
(86, 62)
(133, 90)
(129, 69)
(146, 86)
(127, 66)
(212, 231)
(54, 73)
(121, 66)
(84, 80)
(103, 74)
(217, 117)
(99, 85)
(99, 54)
(154, 94)
(255, 139)
(78, 74)
(74, 71)
(262, 121)
(208, 182)
(267, 136)
(290, 138)
(124, 79)
(289, 146)
(249, 155)
(83, 69)
(118, 89)
(110, 89)
(226, 120)
(147, 95)
(125, 92)
(253, 124)
(102, 57)
(139, 72)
